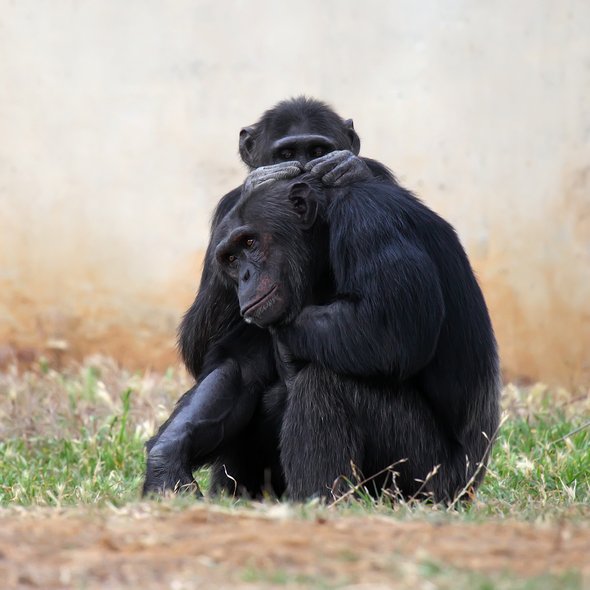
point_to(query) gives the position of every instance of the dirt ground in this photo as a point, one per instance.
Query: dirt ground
(210, 547)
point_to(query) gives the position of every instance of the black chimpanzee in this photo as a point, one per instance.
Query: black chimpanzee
(295, 135)
(384, 341)
(216, 345)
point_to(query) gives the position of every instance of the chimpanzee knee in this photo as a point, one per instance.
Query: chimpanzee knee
(321, 439)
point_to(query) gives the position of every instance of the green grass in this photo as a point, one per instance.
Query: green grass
(445, 578)
(280, 577)
(536, 468)
(436, 576)
(76, 437)
(93, 467)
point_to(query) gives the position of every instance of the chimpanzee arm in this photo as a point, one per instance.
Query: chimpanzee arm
(380, 171)
(389, 307)
(213, 412)
(215, 309)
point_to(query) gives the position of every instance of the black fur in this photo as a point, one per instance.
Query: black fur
(391, 359)
(213, 418)
(391, 350)
(213, 320)
(214, 311)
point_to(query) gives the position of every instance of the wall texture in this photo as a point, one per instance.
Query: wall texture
(118, 133)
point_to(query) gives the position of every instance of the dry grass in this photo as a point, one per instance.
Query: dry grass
(44, 402)
(71, 463)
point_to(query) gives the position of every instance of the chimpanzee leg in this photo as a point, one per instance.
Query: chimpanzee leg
(402, 428)
(332, 422)
(250, 463)
(320, 438)
(213, 411)
(237, 370)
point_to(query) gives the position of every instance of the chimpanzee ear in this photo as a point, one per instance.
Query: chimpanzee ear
(247, 145)
(355, 140)
(304, 203)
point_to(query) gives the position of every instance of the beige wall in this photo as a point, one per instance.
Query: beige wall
(118, 133)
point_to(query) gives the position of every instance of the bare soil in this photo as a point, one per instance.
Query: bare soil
(209, 547)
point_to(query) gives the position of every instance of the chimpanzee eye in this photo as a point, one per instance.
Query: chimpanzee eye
(317, 151)
(249, 243)
(231, 259)
(287, 154)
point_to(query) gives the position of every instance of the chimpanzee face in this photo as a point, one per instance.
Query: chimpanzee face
(255, 262)
(296, 130)
(267, 251)
(301, 147)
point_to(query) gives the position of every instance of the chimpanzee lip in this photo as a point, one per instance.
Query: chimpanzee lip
(252, 306)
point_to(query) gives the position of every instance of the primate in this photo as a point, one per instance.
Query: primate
(296, 135)
(216, 345)
(383, 339)
(444, 378)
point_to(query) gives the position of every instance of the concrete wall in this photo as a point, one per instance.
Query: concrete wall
(118, 133)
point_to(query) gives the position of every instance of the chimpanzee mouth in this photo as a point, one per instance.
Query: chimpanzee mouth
(260, 305)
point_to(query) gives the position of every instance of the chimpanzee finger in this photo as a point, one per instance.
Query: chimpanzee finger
(291, 167)
(266, 174)
(335, 174)
(348, 177)
(261, 183)
(285, 172)
(279, 175)
(323, 165)
(352, 170)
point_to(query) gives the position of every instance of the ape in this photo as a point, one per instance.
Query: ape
(216, 346)
(295, 134)
(383, 338)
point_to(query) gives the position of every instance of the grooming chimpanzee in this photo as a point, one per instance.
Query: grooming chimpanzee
(295, 135)
(385, 342)
(215, 343)
(391, 357)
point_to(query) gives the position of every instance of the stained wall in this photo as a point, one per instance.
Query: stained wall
(118, 133)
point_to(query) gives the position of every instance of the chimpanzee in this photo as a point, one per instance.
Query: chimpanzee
(295, 135)
(215, 343)
(383, 338)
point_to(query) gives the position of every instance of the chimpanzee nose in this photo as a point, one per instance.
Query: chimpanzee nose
(246, 275)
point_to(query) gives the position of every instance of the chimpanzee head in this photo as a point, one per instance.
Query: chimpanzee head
(299, 129)
(271, 246)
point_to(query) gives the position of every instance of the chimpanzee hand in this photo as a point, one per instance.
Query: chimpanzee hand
(165, 471)
(287, 366)
(339, 168)
(268, 174)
